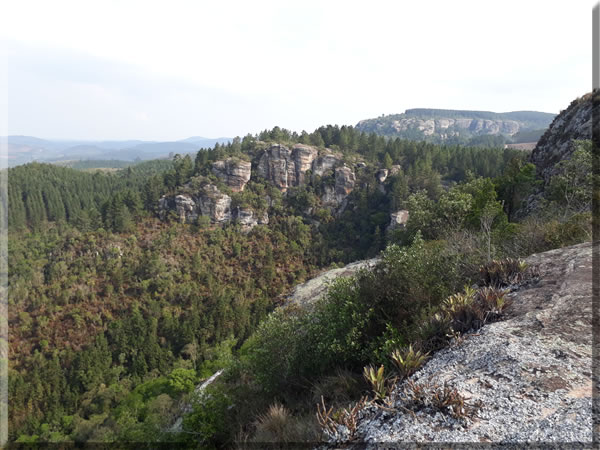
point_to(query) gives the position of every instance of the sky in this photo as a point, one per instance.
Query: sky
(168, 70)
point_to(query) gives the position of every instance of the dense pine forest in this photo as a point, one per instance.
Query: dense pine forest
(117, 312)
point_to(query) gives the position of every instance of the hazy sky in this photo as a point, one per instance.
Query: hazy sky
(167, 70)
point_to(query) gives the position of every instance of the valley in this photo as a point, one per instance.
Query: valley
(130, 287)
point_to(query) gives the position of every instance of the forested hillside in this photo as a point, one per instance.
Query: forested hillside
(129, 288)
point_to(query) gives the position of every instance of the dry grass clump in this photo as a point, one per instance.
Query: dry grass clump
(444, 399)
(330, 421)
(278, 424)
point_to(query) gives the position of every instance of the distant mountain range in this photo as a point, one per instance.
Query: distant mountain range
(460, 126)
(25, 149)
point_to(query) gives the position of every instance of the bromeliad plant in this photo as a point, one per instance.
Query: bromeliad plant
(503, 272)
(408, 361)
(377, 380)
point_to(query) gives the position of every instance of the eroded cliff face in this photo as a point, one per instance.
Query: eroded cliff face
(234, 172)
(452, 127)
(208, 201)
(286, 167)
(530, 375)
(248, 218)
(557, 143)
(279, 165)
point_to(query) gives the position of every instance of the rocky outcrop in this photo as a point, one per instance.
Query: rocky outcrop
(309, 292)
(396, 168)
(398, 219)
(303, 156)
(335, 195)
(344, 183)
(185, 208)
(214, 204)
(248, 218)
(382, 175)
(557, 143)
(284, 167)
(439, 125)
(279, 165)
(452, 127)
(208, 201)
(235, 173)
(529, 376)
(325, 162)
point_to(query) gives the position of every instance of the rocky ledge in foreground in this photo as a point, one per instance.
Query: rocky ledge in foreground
(531, 374)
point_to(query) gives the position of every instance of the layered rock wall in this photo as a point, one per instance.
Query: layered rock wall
(233, 172)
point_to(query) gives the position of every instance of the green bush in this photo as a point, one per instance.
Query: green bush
(358, 322)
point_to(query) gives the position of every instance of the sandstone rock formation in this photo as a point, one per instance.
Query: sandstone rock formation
(398, 219)
(186, 208)
(475, 126)
(279, 165)
(214, 204)
(325, 162)
(344, 183)
(284, 167)
(439, 125)
(208, 201)
(530, 374)
(234, 172)
(382, 175)
(248, 218)
(395, 169)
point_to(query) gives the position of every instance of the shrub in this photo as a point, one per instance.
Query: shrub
(208, 423)
(340, 387)
(359, 321)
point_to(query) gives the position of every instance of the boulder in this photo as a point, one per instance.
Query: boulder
(382, 175)
(398, 219)
(556, 144)
(309, 292)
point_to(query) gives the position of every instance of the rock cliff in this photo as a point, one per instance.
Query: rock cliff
(207, 201)
(233, 172)
(279, 165)
(439, 125)
(529, 376)
(286, 167)
(453, 127)
(557, 142)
